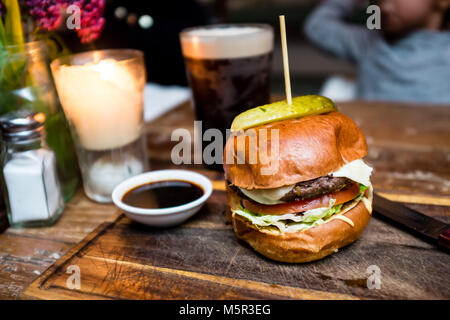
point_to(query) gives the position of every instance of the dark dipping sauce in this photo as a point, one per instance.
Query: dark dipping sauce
(162, 194)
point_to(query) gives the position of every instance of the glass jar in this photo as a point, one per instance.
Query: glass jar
(26, 84)
(102, 95)
(30, 181)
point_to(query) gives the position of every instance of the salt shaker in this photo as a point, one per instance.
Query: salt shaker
(31, 186)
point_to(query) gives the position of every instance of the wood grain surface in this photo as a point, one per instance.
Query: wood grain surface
(409, 147)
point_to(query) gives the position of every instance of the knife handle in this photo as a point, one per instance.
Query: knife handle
(444, 239)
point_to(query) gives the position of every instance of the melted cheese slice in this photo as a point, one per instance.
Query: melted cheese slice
(267, 196)
(356, 170)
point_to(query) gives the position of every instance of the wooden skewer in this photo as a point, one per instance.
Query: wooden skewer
(287, 78)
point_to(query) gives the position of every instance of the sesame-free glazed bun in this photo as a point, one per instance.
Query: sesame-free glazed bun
(304, 246)
(309, 148)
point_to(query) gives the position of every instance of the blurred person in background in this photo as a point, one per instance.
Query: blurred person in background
(407, 60)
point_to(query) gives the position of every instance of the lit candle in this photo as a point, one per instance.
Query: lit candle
(101, 93)
(103, 101)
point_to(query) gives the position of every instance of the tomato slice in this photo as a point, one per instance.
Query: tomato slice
(341, 196)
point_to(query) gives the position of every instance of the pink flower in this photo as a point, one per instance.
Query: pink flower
(92, 21)
(49, 15)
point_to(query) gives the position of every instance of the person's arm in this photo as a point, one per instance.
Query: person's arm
(326, 28)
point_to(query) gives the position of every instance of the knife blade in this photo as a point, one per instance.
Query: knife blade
(432, 229)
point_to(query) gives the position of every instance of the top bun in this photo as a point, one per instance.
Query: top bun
(309, 148)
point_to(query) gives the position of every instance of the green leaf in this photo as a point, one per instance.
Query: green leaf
(362, 188)
(291, 222)
(11, 72)
(2, 34)
(13, 22)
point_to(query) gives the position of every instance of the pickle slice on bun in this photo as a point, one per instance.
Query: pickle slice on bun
(301, 107)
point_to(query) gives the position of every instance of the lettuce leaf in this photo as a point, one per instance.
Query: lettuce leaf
(293, 222)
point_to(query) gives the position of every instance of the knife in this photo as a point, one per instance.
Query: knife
(432, 229)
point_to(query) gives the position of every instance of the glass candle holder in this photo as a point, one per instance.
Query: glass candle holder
(101, 93)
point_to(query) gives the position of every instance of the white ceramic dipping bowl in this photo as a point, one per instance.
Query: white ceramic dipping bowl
(164, 217)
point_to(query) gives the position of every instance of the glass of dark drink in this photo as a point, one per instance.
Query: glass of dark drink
(228, 68)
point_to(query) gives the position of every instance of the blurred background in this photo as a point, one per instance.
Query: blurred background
(153, 26)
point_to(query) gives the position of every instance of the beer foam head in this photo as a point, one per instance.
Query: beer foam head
(226, 41)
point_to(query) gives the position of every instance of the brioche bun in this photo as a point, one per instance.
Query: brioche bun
(309, 148)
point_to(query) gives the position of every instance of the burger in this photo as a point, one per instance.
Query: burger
(306, 200)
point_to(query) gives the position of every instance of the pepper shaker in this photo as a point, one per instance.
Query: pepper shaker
(31, 187)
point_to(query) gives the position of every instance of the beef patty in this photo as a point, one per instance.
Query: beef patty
(316, 187)
(309, 189)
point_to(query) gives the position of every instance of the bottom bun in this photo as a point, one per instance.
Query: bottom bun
(312, 244)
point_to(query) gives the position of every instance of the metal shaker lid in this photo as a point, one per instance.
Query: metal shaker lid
(22, 126)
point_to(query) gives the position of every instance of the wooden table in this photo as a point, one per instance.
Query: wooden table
(409, 147)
